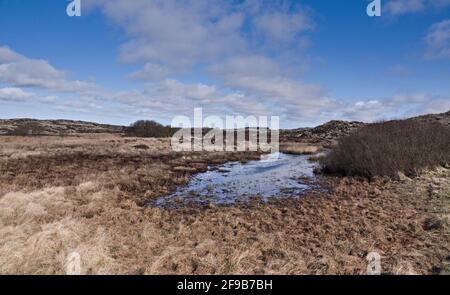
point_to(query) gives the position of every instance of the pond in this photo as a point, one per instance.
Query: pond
(275, 175)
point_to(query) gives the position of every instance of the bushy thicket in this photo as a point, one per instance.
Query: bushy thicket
(149, 129)
(385, 149)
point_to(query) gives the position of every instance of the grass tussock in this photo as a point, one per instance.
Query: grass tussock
(295, 148)
(385, 149)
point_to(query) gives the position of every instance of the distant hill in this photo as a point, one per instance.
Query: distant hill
(335, 129)
(54, 127)
(327, 132)
(443, 118)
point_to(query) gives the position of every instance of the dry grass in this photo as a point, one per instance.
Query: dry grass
(86, 200)
(297, 148)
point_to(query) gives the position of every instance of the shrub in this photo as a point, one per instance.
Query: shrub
(384, 149)
(148, 129)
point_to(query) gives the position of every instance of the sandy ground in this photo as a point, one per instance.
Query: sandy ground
(65, 195)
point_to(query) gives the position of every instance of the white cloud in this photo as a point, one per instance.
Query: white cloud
(438, 40)
(169, 36)
(265, 81)
(395, 107)
(254, 85)
(178, 33)
(282, 26)
(7, 55)
(19, 71)
(171, 97)
(15, 95)
(152, 71)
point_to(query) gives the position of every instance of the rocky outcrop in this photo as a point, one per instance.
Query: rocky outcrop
(326, 132)
(334, 130)
(443, 118)
(54, 127)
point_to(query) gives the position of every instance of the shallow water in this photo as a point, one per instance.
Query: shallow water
(275, 175)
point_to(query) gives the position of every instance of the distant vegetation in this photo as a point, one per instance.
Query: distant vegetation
(27, 129)
(384, 149)
(149, 129)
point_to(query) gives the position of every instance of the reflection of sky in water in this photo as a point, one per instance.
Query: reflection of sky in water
(276, 175)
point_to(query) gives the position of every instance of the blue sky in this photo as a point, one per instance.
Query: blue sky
(305, 61)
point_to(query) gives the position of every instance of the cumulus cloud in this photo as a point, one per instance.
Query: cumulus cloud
(170, 37)
(283, 25)
(15, 95)
(395, 107)
(152, 71)
(7, 55)
(171, 97)
(19, 71)
(262, 79)
(178, 33)
(438, 40)
(50, 86)
(182, 34)
(253, 85)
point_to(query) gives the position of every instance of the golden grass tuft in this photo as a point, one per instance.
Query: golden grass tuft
(297, 148)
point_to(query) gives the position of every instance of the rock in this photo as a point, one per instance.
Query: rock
(327, 132)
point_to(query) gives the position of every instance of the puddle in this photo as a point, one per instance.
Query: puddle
(275, 175)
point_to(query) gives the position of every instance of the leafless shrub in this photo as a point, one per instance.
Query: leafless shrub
(384, 149)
